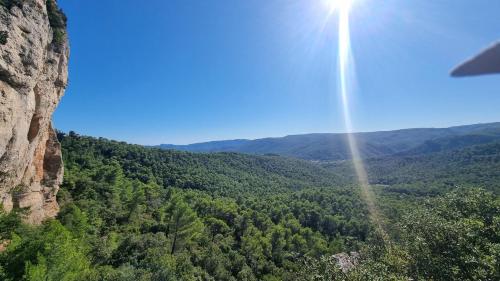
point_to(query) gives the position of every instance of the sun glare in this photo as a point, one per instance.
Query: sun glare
(346, 80)
(339, 5)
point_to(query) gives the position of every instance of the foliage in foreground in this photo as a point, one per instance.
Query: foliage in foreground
(453, 237)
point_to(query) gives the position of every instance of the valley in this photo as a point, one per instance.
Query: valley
(140, 212)
(408, 204)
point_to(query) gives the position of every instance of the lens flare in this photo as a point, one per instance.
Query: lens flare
(346, 79)
(339, 5)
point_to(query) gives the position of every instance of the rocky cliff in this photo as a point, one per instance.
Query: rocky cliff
(33, 76)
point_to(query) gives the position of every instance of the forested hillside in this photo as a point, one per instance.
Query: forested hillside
(221, 173)
(432, 173)
(135, 213)
(332, 147)
(166, 215)
(293, 208)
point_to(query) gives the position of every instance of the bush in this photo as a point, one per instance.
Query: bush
(48, 252)
(57, 18)
(3, 37)
(455, 237)
(11, 3)
(452, 237)
(58, 22)
(59, 37)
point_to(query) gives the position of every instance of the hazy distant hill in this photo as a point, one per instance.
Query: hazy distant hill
(450, 143)
(213, 146)
(329, 147)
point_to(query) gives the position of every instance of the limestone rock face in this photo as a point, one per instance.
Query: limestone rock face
(33, 77)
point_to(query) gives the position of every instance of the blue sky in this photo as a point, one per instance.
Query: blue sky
(183, 71)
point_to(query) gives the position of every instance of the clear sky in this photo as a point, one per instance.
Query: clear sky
(183, 71)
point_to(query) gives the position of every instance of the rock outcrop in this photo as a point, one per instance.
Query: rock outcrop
(33, 76)
(347, 262)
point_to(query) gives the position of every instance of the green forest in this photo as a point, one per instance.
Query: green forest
(399, 205)
(474, 165)
(130, 212)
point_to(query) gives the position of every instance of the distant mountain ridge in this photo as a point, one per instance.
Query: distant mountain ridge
(334, 146)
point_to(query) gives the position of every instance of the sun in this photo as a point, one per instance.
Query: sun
(339, 5)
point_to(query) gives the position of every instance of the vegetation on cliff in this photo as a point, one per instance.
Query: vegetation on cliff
(11, 3)
(58, 22)
(57, 19)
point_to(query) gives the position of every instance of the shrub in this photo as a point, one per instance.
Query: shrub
(11, 3)
(3, 37)
(59, 37)
(58, 22)
(57, 18)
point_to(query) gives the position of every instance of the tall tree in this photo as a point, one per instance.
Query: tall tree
(184, 226)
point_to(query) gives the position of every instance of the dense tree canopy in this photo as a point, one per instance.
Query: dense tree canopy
(135, 213)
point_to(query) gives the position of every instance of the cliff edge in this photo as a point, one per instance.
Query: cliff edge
(33, 76)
